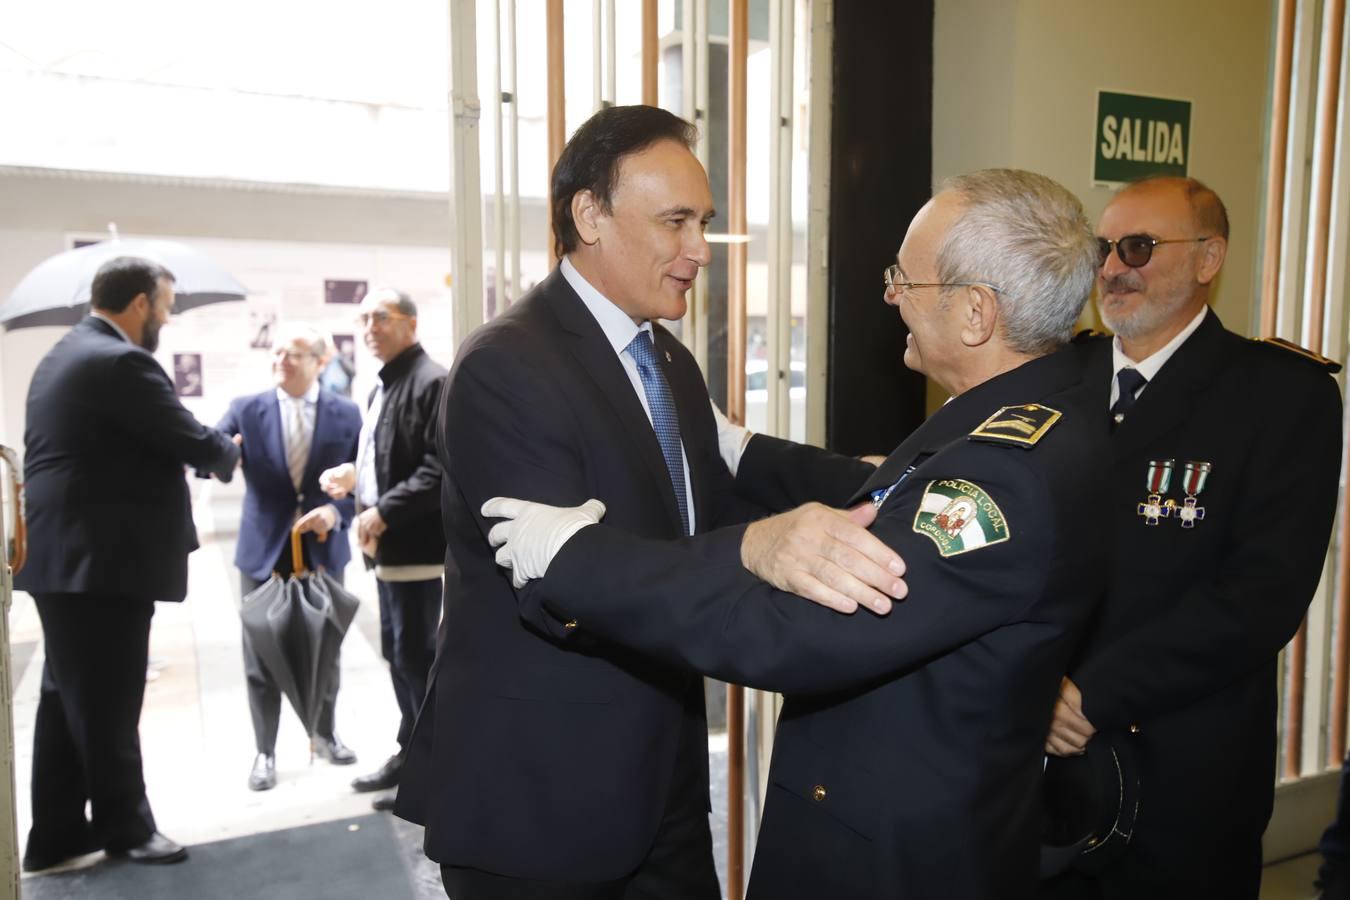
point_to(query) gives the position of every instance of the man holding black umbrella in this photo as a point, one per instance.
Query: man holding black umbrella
(290, 434)
(110, 525)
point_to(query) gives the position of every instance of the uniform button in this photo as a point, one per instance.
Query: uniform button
(1134, 729)
(1092, 842)
(570, 625)
(818, 793)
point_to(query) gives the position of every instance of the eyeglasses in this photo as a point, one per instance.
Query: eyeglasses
(894, 283)
(380, 317)
(1135, 250)
(293, 356)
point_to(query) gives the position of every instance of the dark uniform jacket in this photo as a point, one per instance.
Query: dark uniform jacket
(407, 472)
(271, 498)
(909, 750)
(1186, 644)
(537, 756)
(105, 446)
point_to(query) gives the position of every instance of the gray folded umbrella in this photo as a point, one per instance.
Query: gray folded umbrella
(296, 625)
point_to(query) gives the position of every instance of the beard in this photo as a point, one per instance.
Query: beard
(1148, 315)
(150, 336)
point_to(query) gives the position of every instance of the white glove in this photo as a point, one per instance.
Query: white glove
(533, 533)
(731, 439)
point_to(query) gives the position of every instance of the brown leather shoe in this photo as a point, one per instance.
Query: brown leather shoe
(158, 850)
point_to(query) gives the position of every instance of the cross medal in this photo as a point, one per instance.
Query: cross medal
(1159, 477)
(1192, 482)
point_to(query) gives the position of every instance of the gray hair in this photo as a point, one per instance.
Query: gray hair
(1027, 235)
(401, 300)
(318, 340)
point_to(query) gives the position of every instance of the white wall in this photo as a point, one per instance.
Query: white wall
(281, 244)
(1015, 84)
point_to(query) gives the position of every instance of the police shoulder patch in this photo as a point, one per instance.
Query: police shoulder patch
(1329, 364)
(1021, 426)
(959, 516)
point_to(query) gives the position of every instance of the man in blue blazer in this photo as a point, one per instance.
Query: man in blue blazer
(289, 435)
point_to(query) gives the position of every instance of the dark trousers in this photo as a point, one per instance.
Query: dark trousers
(264, 697)
(679, 865)
(86, 742)
(409, 611)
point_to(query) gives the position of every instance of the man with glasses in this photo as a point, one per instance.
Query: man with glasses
(397, 482)
(289, 434)
(1216, 439)
(909, 750)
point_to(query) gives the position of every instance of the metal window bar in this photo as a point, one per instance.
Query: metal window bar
(466, 188)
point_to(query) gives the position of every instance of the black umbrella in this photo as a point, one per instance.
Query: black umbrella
(56, 292)
(296, 625)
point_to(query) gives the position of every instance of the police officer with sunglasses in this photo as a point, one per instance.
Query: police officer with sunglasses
(1214, 436)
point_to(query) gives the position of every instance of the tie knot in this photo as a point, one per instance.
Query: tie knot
(1130, 381)
(642, 350)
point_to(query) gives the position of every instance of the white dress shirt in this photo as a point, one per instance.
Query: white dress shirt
(619, 331)
(1151, 366)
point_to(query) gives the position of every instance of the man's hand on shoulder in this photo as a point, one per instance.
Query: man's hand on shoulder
(827, 556)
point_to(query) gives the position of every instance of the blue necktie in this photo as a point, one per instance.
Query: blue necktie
(664, 418)
(1130, 381)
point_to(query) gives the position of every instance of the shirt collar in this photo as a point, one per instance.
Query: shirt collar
(615, 323)
(311, 396)
(115, 326)
(1153, 364)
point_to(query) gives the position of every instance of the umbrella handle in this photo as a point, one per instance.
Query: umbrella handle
(19, 533)
(297, 554)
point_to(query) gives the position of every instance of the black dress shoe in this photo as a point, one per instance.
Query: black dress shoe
(333, 750)
(384, 802)
(156, 851)
(264, 774)
(37, 860)
(382, 779)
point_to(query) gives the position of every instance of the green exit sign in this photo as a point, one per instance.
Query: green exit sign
(1139, 136)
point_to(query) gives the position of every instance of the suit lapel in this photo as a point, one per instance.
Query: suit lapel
(593, 352)
(269, 425)
(1164, 405)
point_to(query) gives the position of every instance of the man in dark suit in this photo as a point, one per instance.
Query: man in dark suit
(110, 528)
(1218, 441)
(541, 767)
(908, 753)
(289, 435)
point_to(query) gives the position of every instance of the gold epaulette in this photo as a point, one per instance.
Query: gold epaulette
(1329, 364)
(1021, 426)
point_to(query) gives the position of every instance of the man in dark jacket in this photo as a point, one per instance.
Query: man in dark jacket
(110, 528)
(1217, 440)
(908, 754)
(397, 482)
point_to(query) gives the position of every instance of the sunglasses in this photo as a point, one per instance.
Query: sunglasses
(1135, 250)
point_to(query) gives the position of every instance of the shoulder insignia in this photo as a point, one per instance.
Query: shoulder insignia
(958, 516)
(1329, 364)
(1021, 426)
